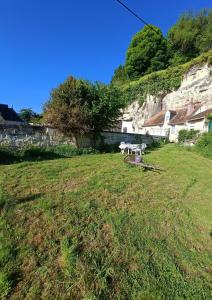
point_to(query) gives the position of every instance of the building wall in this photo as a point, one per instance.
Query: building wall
(200, 125)
(174, 131)
(156, 130)
(127, 127)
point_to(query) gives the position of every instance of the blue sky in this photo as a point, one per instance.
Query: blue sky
(44, 41)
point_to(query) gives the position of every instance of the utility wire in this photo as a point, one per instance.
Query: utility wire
(137, 16)
(143, 21)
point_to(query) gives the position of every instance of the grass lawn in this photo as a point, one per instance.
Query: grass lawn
(92, 227)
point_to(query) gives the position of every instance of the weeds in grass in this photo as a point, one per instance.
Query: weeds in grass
(96, 229)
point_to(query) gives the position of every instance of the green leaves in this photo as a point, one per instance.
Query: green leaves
(147, 52)
(78, 107)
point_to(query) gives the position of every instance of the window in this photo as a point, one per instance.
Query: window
(125, 129)
(173, 129)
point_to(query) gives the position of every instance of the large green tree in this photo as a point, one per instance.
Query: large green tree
(77, 107)
(147, 52)
(190, 36)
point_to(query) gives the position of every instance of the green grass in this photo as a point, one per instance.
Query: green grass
(92, 227)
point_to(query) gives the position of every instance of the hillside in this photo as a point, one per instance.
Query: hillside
(92, 227)
(164, 81)
(169, 89)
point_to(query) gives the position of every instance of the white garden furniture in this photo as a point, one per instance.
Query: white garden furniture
(132, 148)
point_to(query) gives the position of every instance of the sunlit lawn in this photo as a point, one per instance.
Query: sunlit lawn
(92, 227)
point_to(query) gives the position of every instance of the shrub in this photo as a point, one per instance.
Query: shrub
(204, 145)
(185, 135)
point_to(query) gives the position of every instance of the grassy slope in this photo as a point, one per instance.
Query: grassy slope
(92, 227)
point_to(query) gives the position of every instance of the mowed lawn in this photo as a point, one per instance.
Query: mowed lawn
(92, 227)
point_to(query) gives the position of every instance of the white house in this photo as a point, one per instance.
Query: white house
(169, 123)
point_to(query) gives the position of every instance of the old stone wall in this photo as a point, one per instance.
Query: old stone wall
(24, 135)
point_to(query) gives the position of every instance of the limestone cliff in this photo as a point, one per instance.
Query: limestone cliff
(196, 86)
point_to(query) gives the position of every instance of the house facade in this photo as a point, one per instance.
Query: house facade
(168, 123)
(8, 116)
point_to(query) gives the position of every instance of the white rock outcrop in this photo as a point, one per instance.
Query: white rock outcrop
(196, 86)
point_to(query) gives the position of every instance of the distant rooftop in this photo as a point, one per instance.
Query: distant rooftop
(8, 114)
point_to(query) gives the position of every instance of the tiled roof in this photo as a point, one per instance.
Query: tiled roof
(200, 116)
(156, 120)
(180, 117)
(8, 114)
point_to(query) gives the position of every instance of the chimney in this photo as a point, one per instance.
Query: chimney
(190, 108)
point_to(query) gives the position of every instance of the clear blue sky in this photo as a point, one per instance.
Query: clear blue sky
(44, 41)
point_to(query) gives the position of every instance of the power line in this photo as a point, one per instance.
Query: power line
(144, 22)
(137, 16)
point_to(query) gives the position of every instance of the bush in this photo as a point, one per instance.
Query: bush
(185, 135)
(7, 154)
(204, 145)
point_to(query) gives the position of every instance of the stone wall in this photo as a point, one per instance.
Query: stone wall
(24, 135)
(111, 138)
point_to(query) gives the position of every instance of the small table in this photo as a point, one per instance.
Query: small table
(132, 148)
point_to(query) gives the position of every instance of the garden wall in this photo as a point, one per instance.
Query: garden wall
(24, 135)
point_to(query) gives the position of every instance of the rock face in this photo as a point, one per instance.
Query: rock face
(196, 86)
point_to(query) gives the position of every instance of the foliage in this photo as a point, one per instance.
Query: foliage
(94, 228)
(29, 116)
(190, 36)
(120, 76)
(161, 82)
(185, 135)
(209, 117)
(204, 145)
(147, 52)
(77, 107)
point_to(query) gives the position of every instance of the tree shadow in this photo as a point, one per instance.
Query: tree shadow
(7, 159)
(13, 202)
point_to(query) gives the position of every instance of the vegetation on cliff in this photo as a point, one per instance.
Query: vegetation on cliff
(150, 51)
(161, 82)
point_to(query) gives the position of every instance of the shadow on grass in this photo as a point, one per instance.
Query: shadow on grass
(7, 158)
(11, 203)
(33, 154)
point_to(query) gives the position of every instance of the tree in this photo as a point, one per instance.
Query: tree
(147, 52)
(77, 107)
(28, 115)
(190, 36)
(120, 76)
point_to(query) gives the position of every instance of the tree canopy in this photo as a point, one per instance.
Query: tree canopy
(191, 36)
(28, 115)
(78, 107)
(147, 52)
